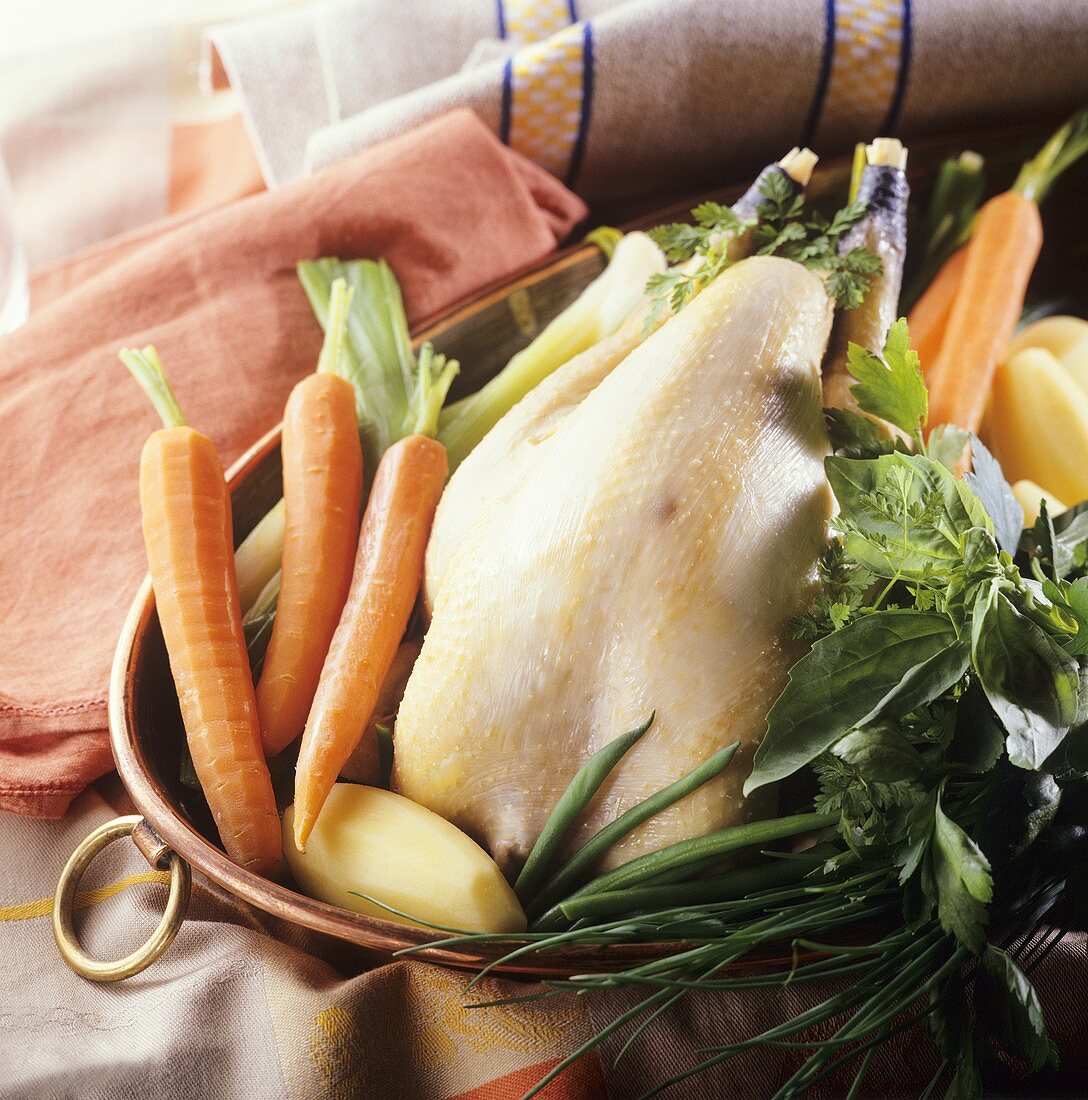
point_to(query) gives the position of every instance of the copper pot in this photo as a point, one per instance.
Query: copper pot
(145, 726)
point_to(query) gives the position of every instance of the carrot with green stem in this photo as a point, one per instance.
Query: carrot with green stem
(388, 573)
(398, 398)
(187, 532)
(1005, 243)
(395, 392)
(322, 491)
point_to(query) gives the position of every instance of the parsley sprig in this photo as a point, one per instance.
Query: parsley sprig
(698, 253)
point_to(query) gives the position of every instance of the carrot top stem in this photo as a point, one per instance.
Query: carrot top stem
(1066, 147)
(435, 379)
(396, 393)
(146, 367)
(331, 359)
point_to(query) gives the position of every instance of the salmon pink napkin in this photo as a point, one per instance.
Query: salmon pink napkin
(447, 205)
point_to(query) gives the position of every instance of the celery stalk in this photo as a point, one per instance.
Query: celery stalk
(257, 559)
(597, 312)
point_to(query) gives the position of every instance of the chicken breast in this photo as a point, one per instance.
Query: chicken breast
(493, 471)
(659, 541)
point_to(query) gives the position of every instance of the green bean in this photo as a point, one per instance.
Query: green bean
(572, 802)
(724, 841)
(568, 875)
(728, 886)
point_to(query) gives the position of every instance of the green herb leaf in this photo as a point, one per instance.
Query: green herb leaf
(1008, 1007)
(987, 482)
(779, 229)
(951, 1024)
(1076, 600)
(880, 753)
(843, 588)
(891, 386)
(1030, 681)
(1071, 542)
(963, 881)
(979, 739)
(856, 436)
(881, 665)
(946, 444)
(904, 516)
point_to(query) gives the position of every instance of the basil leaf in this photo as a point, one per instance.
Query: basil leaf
(946, 444)
(988, 483)
(891, 386)
(903, 515)
(1008, 1007)
(1031, 682)
(856, 436)
(881, 665)
(963, 880)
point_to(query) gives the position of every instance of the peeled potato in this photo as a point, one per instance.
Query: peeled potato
(1037, 424)
(1054, 334)
(1028, 495)
(374, 842)
(1075, 360)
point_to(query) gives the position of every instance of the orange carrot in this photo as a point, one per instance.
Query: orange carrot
(929, 318)
(1004, 245)
(187, 532)
(1000, 258)
(322, 489)
(388, 572)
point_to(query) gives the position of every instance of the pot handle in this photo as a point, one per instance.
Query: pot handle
(160, 857)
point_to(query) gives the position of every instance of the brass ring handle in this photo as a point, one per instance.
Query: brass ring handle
(158, 855)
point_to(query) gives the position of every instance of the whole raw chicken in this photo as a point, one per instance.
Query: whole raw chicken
(653, 528)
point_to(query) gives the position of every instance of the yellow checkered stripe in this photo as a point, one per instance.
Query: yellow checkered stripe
(546, 99)
(527, 21)
(869, 54)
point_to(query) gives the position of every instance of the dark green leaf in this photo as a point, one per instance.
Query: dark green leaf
(964, 884)
(880, 665)
(904, 515)
(1008, 1007)
(988, 483)
(951, 1023)
(890, 387)
(1030, 681)
(978, 740)
(966, 1084)
(856, 436)
(919, 837)
(1016, 807)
